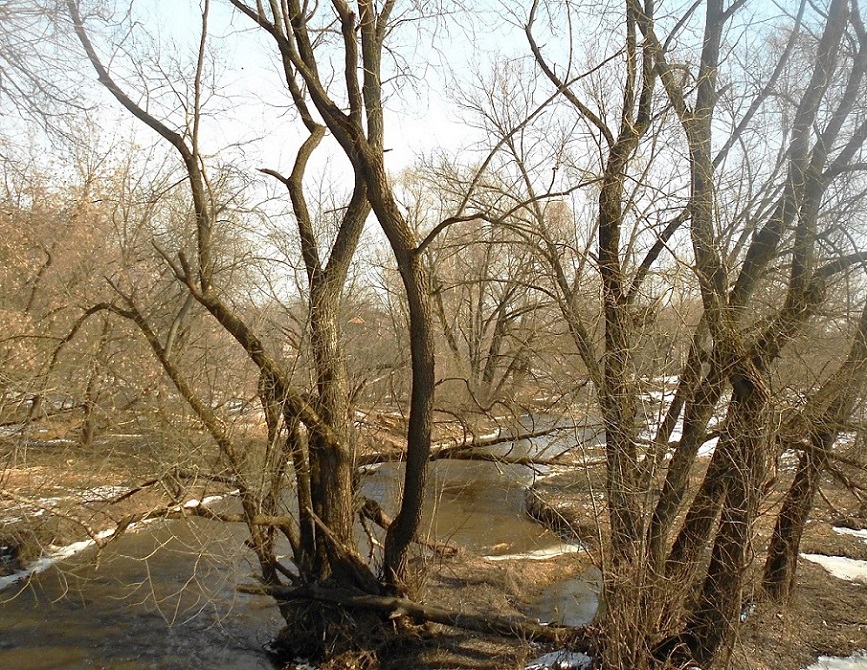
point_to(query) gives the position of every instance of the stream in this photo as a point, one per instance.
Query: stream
(164, 597)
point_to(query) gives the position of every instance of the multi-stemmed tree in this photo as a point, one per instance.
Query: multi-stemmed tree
(743, 174)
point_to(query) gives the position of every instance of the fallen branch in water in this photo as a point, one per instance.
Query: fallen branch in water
(372, 510)
(529, 461)
(465, 449)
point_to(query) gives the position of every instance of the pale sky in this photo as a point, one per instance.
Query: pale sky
(255, 113)
(419, 118)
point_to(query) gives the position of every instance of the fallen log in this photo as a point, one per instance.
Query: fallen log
(465, 449)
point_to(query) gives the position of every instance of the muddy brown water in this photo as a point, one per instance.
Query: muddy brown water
(161, 598)
(165, 598)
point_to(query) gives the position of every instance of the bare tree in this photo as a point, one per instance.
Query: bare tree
(318, 427)
(742, 236)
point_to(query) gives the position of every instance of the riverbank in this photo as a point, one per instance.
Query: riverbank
(63, 492)
(56, 493)
(827, 613)
(55, 480)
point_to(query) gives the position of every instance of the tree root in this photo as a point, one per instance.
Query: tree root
(580, 639)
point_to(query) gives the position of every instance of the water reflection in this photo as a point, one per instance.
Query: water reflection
(158, 599)
(572, 602)
(165, 597)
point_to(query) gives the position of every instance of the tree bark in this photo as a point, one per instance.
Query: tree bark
(713, 622)
(781, 562)
(820, 422)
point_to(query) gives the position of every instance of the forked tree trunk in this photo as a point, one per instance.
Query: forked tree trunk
(700, 397)
(360, 133)
(714, 621)
(821, 421)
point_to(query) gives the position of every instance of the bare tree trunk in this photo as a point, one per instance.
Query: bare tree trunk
(331, 489)
(402, 532)
(820, 421)
(360, 133)
(88, 422)
(714, 621)
(624, 568)
(782, 558)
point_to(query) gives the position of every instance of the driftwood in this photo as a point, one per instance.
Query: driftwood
(465, 449)
(395, 607)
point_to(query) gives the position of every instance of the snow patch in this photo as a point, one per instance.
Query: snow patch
(55, 442)
(61, 553)
(539, 554)
(708, 448)
(13, 429)
(51, 502)
(57, 554)
(857, 661)
(103, 493)
(841, 567)
(560, 660)
(659, 396)
(790, 456)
